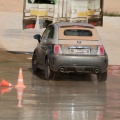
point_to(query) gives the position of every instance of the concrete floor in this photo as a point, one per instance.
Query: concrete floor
(73, 96)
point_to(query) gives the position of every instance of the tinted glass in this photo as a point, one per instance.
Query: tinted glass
(43, 1)
(51, 32)
(47, 1)
(46, 34)
(34, 1)
(74, 32)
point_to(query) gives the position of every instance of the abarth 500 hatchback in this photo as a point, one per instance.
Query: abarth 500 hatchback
(70, 47)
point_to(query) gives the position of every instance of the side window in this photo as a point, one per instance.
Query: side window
(45, 34)
(51, 33)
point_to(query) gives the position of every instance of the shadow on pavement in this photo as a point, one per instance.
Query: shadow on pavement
(65, 76)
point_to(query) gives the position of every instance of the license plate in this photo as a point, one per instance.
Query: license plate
(80, 51)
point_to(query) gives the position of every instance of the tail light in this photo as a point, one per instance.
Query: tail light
(101, 50)
(30, 26)
(57, 49)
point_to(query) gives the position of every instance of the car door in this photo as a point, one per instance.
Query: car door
(44, 46)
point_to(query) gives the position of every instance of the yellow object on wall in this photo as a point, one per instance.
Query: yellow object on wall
(82, 14)
(90, 12)
(37, 12)
(34, 12)
(42, 13)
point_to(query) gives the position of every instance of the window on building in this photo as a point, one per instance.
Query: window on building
(33, 1)
(42, 1)
(47, 1)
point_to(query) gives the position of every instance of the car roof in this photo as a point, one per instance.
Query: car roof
(60, 24)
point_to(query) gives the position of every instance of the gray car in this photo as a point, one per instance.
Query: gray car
(70, 47)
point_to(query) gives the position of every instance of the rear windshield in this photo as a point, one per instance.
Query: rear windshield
(73, 32)
(77, 33)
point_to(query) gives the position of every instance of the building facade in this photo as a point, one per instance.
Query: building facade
(17, 6)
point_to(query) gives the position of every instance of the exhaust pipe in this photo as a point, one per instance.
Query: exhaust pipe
(96, 70)
(62, 69)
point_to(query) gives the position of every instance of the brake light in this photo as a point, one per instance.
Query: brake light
(30, 26)
(101, 50)
(57, 49)
(93, 23)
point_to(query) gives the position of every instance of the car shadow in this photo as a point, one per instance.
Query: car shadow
(63, 76)
(72, 77)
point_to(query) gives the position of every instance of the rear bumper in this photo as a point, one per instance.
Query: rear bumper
(82, 69)
(83, 64)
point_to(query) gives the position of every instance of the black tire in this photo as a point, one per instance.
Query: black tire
(34, 63)
(48, 72)
(102, 77)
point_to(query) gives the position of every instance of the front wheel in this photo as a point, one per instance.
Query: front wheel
(102, 77)
(34, 63)
(48, 72)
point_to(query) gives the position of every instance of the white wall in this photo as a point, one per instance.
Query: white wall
(112, 6)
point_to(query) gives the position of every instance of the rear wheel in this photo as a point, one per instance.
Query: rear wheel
(48, 72)
(34, 63)
(102, 77)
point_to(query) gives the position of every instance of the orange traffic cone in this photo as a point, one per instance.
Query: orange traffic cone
(55, 115)
(5, 83)
(100, 115)
(19, 96)
(20, 82)
(5, 90)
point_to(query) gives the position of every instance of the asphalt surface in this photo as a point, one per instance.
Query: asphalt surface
(68, 96)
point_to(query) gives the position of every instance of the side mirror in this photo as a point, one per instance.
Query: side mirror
(38, 37)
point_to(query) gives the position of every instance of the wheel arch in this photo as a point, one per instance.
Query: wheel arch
(46, 57)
